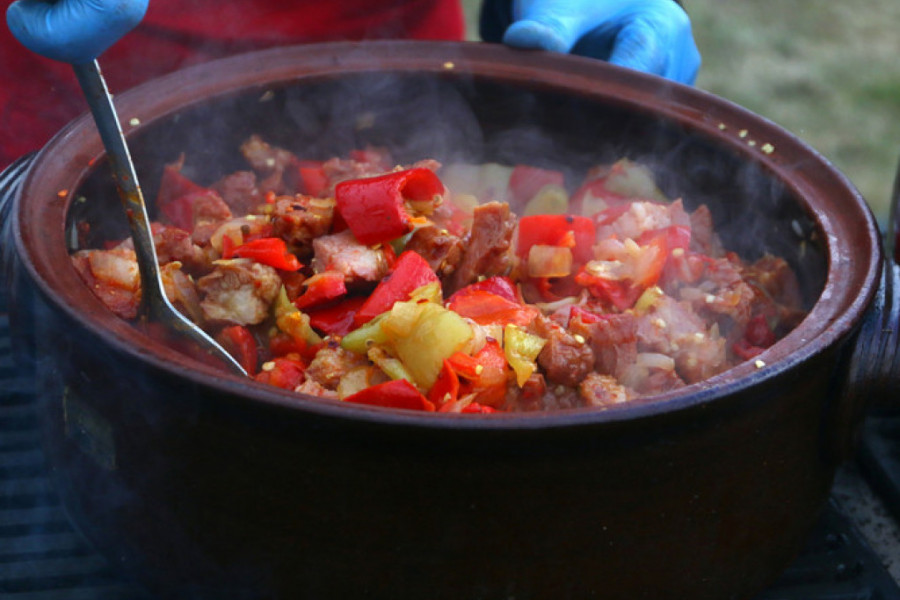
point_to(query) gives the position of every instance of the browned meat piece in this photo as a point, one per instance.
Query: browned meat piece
(238, 291)
(703, 237)
(486, 250)
(673, 328)
(566, 358)
(239, 191)
(613, 340)
(341, 252)
(173, 244)
(314, 388)
(209, 211)
(440, 249)
(270, 163)
(778, 291)
(300, 219)
(602, 391)
(331, 363)
(722, 291)
(114, 278)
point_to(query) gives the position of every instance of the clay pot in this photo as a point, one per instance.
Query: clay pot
(206, 484)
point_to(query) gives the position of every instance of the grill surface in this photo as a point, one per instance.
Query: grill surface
(43, 558)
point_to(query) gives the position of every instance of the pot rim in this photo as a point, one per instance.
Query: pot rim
(853, 240)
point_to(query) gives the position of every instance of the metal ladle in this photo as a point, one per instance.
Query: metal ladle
(154, 303)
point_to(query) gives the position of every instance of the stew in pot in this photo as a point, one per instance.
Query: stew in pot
(460, 288)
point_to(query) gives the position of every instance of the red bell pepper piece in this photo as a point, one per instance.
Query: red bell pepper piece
(336, 319)
(321, 288)
(446, 386)
(398, 393)
(241, 344)
(282, 344)
(286, 373)
(554, 230)
(486, 308)
(373, 208)
(268, 251)
(485, 373)
(410, 272)
(501, 285)
(526, 181)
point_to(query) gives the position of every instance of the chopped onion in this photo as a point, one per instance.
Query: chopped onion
(549, 261)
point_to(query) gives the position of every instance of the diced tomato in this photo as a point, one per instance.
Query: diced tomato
(410, 272)
(241, 344)
(286, 373)
(321, 288)
(398, 393)
(268, 251)
(486, 308)
(446, 387)
(554, 230)
(336, 319)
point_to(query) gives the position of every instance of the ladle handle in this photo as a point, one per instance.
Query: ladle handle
(94, 87)
(155, 303)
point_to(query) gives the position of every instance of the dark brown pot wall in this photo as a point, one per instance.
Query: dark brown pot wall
(708, 503)
(206, 484)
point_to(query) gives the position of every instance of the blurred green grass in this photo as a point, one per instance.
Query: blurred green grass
(828, 72)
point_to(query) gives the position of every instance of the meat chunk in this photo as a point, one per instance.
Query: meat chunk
(239, 191)
(602, 391)
(300, 219)
(486, 250)
(566, 358)
(270, 162)
(114, 278)
(613, 339)
(331, 363)
(238, 291)
(360, 265)
(440, 249)
(673, 328)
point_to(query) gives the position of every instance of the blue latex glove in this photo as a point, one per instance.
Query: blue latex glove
(653, 36)
(73, 31)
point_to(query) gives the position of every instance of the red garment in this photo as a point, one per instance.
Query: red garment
(39, 96)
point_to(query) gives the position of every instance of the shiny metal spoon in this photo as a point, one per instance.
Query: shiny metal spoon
(155, 305)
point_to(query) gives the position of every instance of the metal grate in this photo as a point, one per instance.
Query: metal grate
(41, 556)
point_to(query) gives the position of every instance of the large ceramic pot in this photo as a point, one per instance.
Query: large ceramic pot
(204, 483)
